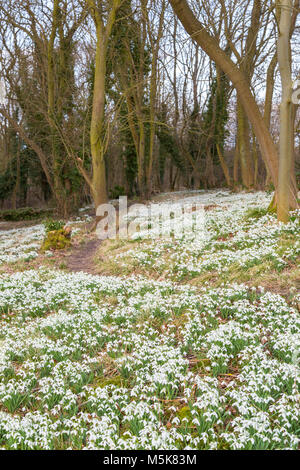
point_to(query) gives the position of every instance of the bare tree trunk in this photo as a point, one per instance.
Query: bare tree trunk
(99, 190)
(270, 90)
(236, 165)
(59, 192)
(18, 180)
(153, 95)
(98, 132)
(224, 167)
(270, 82)
(247, 67)
(286, 157)
(255, 159)
(246, 159)
(141, 157)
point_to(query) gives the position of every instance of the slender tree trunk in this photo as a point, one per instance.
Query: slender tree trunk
(236, 165)
(255, 159)
(18, 180)
(245, 155)
(224, 167)
(270, 90)
(270, 82)
(141, 158)
(209, 168)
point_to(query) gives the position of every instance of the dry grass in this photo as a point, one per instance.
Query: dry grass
(285, 282)
(107, 263)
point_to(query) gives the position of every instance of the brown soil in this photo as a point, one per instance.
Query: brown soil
(82, 257)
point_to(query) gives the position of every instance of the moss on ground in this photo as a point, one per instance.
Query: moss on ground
(56, 240)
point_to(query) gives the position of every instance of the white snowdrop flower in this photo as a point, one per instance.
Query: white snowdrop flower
(90, 354)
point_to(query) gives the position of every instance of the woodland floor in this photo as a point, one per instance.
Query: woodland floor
(146, 343)
(82, 257)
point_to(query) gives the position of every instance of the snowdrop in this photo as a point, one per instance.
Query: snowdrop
(104, 362)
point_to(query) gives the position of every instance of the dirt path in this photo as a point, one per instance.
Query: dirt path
(82, 257)
(4, 226)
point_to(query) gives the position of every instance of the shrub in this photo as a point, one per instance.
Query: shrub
(52, 225)
(56, 240)
(25, 213)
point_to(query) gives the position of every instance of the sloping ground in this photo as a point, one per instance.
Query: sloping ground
(240, 242)
(109, 362)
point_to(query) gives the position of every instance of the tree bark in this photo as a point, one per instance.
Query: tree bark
(224, 167)
(98, 139)
(243, 139)
(99, 189)
(286, 112)
(270, 90)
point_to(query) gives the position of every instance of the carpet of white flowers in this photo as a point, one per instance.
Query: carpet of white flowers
(99, 362)
(228, 239)
(21, 243)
